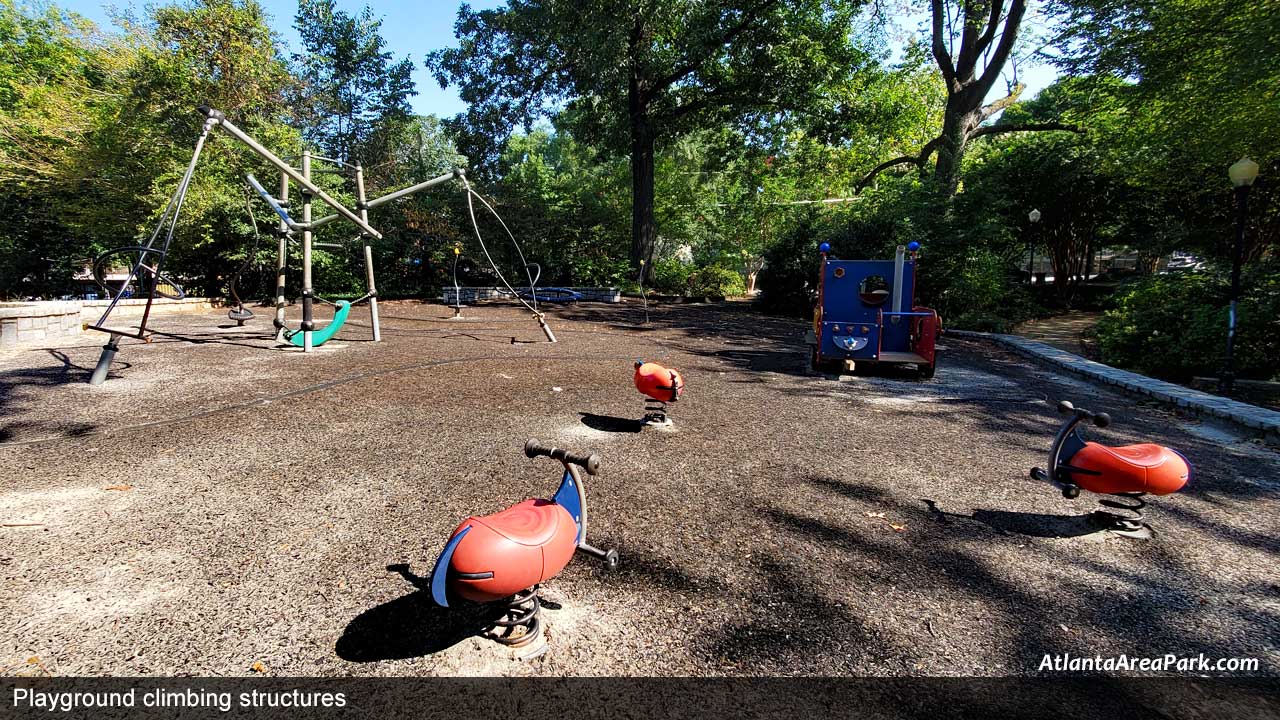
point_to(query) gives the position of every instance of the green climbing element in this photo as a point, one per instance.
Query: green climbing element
(322, 336)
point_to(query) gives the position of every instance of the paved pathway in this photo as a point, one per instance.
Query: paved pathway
(1256, 419)
(1064, 332)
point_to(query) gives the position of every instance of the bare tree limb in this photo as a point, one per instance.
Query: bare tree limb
(992, 23)
(1017, 8)
(932, 146)
(917, 160)
(1014, 93)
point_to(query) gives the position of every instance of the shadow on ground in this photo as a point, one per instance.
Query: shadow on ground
(412, 625)
(27, 380)
(1020, 523)
(609, 423)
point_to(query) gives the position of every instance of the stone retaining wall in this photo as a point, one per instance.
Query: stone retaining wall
(91, 310)
(472, 295)
(33, 323)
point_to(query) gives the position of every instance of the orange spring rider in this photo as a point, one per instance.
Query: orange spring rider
(1128, 472)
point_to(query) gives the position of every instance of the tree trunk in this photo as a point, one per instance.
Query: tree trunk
(644, 230)
(958, 121)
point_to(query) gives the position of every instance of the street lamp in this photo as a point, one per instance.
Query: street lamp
(1242, 175)
(1034, 217)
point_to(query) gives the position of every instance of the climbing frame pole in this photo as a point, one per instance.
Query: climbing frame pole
(363, 206)
(302, 178)
(308, 301)
(282, 260)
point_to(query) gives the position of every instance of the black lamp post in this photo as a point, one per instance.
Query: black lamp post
(1242, 174)
(1034, 217)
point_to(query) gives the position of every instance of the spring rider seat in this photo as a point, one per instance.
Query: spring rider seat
(504, 556)
(1126, 473)
(660, 386)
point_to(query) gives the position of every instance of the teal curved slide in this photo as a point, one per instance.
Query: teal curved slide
(322, 336)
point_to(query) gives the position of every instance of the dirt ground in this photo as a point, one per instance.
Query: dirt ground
(222, 502)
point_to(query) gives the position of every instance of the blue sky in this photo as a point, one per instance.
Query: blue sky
(412, 28)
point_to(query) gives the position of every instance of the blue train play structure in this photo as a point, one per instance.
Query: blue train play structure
(866, 314)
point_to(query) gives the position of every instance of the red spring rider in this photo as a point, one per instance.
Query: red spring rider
(503, 556)
(1128, 472)
(660, 385)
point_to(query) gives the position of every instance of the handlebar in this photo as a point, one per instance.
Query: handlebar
(589, 462)
(1099, 419)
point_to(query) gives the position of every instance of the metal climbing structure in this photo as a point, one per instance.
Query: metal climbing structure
(146, 261)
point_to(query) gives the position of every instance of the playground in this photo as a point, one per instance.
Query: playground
(227, 504)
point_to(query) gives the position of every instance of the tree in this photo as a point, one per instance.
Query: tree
(971, 42)
(570, 207)
(116, 122)
(355, 93)
(1196, 80)
(628, 74)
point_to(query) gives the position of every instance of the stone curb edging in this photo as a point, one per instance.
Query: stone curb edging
(1252, 417)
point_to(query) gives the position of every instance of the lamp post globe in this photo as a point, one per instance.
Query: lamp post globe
(1243, 172)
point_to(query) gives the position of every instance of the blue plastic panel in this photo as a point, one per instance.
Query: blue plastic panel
(846, 314)
(568, 497)
(441, 571)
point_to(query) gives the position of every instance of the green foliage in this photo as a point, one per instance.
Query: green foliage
(629, 77)
(671, 276)
(1185, 88)
(567, 207)
(694, 65)
(1175, 326)
(716, 281)
(354, 94)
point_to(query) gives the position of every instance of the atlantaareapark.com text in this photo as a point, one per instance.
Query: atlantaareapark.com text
(1067, 662)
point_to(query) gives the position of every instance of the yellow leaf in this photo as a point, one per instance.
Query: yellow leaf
(258, 667)
(33, 660)
(897, 528)
(118, 487)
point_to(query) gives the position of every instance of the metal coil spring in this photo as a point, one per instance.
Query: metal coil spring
(519, 624)
(655, 411)
(1130, 516)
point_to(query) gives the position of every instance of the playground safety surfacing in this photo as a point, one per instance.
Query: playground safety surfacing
(224, 505)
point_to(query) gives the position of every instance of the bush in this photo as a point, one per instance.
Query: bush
(716, 281)
(600, 272)
(1175, 326)
(671, 277)
(789, 279)
(999, 311)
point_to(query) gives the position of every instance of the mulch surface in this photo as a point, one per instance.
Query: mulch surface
(223, 505)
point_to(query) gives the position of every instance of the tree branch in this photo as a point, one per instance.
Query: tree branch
(1017, 8)
(940, 48)
(932, 146)
(917, 160)
(1025, 127)
(1002, 103)
(992, 23)
(970, 50)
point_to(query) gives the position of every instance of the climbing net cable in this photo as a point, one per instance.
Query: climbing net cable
(533, 293)
(249, 257)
